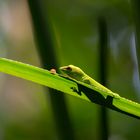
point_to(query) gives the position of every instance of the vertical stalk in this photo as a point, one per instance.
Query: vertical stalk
(103, 58)
(48, 58)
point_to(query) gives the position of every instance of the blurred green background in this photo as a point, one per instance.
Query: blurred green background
(25, 108)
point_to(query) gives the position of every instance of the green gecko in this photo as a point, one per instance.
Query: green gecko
(77, 74)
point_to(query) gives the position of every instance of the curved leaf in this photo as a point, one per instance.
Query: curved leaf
(69, 86)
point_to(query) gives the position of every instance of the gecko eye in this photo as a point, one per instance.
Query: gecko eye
(69, 68)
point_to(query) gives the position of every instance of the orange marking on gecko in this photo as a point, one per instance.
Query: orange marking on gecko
(53, 71)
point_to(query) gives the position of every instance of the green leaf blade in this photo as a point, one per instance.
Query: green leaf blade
(71, 87)
(39, 76)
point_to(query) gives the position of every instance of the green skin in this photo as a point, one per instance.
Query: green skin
(124, 105)
(76, 73)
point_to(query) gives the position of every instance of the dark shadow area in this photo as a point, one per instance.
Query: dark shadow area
(98, 98)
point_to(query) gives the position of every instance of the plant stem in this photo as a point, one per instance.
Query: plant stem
(48, 58)
(103, 57)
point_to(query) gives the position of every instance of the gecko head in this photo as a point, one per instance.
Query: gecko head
(72, 71)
